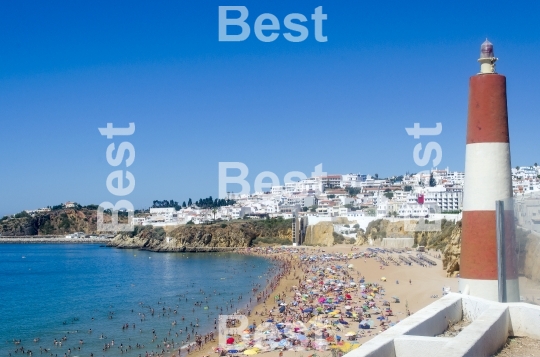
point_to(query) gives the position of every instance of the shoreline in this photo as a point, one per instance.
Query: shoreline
(275, 285)
(298, 273)
(287, 272)
(51, 240)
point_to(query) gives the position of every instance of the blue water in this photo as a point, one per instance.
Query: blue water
(49, 291)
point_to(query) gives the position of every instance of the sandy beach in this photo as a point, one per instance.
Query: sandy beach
(415, 285)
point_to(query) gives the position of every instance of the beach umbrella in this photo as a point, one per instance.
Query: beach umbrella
(230, 341)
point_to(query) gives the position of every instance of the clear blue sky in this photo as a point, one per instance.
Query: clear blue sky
(67, 68)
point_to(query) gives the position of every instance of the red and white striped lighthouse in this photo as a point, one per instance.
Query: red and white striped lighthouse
(487, 179)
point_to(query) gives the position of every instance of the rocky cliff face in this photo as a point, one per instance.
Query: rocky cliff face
(203, 237)
(529, 251)
(189, 238)
(58, 222)
(452, 251)
(447, 239)
(320, 234)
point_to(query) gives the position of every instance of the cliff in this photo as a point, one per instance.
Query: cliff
(219, 236)
(452, 252)
(57, 222)
(528, 253)
(320, 234)
(447, 239)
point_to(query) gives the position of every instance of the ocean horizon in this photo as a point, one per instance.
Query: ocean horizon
(88, 293)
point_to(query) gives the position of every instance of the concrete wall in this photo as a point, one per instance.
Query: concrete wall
(397, 242)
(491, 325)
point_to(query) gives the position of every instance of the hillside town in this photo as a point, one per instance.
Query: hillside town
(357, 198)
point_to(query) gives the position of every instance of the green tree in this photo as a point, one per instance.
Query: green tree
(432, 182)
(338, 238)
(371, 212)
(22, 214)
(189, 203)
(184, 204)
(389, 195)
(407, 188)
(353, 191)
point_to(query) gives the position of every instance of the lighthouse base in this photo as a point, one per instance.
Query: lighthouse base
(489, 289)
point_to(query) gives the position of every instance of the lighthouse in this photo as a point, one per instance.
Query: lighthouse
(487, 179)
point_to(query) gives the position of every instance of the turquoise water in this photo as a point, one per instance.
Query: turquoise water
(51, 291)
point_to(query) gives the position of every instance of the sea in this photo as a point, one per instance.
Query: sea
(83, 295)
